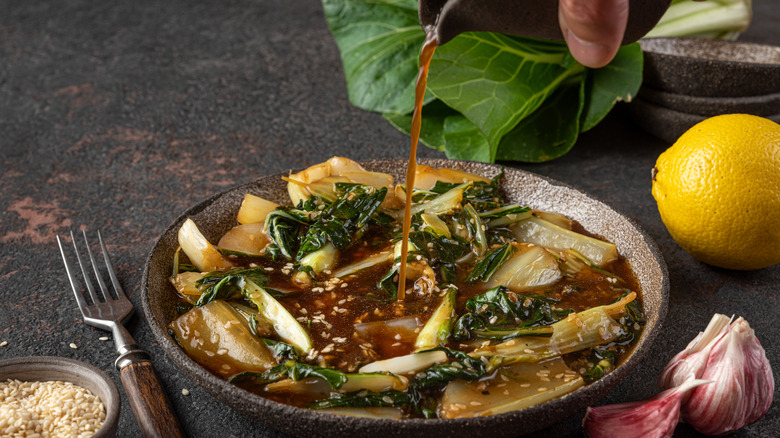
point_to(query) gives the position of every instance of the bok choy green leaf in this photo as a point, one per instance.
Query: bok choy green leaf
(483, 88)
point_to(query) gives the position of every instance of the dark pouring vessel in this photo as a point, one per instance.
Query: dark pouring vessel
(531, 18)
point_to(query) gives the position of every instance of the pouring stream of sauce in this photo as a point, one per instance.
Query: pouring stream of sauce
(429, 46)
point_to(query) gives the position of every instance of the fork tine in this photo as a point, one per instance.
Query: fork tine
(69, 270)
(87, 281)
(106, 293)
(120, 293)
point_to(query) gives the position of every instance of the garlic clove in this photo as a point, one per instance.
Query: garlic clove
(655, 417)
(690, 363)
(743, 388)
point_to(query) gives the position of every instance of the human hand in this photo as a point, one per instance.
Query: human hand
(593, 29)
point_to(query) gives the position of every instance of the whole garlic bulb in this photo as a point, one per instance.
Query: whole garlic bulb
(743, 384)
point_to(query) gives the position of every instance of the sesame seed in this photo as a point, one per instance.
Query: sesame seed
(3, 344)
(74, 346)
(103, 338)
(49, 408)
(185, 392)
(542, 389)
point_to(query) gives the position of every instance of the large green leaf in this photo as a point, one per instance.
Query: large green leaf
(615, 82)
(380, 45)
(490, 96)
(432, 129)
(549, 132)
(446, 130)
(497, 80)
(464, 141)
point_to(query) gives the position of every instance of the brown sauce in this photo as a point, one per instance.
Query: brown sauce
(426, 54)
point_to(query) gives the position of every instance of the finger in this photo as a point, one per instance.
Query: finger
(593, 29)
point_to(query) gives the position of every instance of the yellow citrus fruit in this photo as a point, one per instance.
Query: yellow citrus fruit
(718, 191)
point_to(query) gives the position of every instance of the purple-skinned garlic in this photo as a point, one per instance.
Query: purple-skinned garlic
(690, 363)
(655, 417)
(743, 383)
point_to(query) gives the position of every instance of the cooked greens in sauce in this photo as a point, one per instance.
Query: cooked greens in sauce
(504, 306)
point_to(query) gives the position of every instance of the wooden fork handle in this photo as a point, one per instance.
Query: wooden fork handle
(152, 408)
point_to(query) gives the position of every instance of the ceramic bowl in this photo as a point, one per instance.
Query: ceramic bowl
(216, 215)
(665, 123)
(764, 106)
(49, 368)
(711, 68)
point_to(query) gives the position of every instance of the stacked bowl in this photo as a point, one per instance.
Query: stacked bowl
(687, 80)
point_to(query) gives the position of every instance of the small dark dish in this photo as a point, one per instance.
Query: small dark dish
(50, 368)
(216, 215)
(665, 123)
(764, 106)
(711, 68)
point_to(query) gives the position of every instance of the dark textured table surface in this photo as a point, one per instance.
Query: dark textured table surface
(119, 115)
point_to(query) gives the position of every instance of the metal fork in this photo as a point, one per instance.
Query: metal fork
(152, 408)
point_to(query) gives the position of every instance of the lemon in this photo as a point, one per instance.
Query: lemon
(718, 191)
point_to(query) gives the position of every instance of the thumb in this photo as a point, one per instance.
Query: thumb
(593, 29)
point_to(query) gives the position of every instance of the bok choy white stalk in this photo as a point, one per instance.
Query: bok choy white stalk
(285, 325)
(578, 331)
(201, 253)
(437, 329)
(724, 19)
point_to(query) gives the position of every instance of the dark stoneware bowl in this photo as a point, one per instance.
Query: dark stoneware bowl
(711, 68)
(52, 368)
(766, 105)
(216, 215)
(665, 123)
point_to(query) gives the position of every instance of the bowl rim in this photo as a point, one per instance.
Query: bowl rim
(579, 398)
(67, 369)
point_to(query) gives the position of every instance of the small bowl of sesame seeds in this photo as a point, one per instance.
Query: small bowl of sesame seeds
(56, 396)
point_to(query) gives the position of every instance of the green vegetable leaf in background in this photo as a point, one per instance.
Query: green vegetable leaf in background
(497, 80)
(549, 132)
(490, 96)
(432, 131)
(380, 44)
(616, 82)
